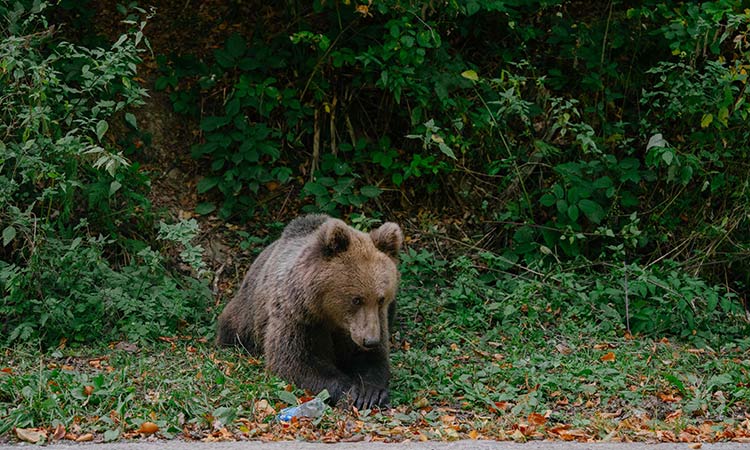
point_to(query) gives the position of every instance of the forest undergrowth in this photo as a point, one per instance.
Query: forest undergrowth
(572, 183)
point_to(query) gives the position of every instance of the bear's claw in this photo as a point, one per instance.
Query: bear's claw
(367, 397)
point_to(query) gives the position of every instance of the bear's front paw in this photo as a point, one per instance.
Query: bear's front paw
(366, 396)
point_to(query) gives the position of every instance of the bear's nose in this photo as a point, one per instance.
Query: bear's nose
(371, 342)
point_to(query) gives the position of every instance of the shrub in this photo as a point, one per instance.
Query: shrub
(74, 215)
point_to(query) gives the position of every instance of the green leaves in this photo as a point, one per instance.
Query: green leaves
(593, 211)
(287, 397)
(233, 51)
(101, 127)
(235, 45)
(470, 75)
(9, 233)
(370, 191)
(205, 208)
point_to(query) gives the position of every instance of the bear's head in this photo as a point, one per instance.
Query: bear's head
(357, 279)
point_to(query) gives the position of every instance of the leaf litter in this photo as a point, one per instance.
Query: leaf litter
(159, 408)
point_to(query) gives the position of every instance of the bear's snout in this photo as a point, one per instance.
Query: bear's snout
(364, 328)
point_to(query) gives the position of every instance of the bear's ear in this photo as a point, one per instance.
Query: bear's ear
(388, 239)
(335, 239)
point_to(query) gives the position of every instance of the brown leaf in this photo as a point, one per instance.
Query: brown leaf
(518, 436)
(59, 432)
(537, 419)
(88, 390)
(695, 445)
(88, 437)
(447, 419)
(603, 346)
(500, 406)
(673, 415)
(666, 436)
(263, 409)
(611, 415)
(684, 436)
(96, 363)
(421, 403)
(126, 346)
(33, 435)
(669, 398)
(558, 429)
(574, 435)
(564, 349)
(364, 10)
(609, 356)
(148, 428)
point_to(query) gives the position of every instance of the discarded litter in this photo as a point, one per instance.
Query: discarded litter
(313, 408)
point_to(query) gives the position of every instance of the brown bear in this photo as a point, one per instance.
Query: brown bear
(317, 304)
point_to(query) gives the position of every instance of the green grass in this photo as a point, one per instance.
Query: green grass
(470, 359)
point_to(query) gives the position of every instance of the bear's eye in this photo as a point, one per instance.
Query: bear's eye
(357, 301)
(381, 301)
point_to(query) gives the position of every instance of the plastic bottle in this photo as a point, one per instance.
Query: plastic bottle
(313, 408)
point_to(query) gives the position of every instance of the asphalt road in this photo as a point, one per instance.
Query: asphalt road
(457, 445)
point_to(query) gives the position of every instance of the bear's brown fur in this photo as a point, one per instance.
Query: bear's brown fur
(316, 303)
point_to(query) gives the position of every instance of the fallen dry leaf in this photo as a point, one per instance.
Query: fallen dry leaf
(126, 346)
(263, 409)
(59, 432)
(148, 428)
(563, 349)
(537, 419)
(364, 10)
(574, 435)
(88, 437)
(669, 398)
(609, 356)
(695, 445)
(97, 363)
(499, 407)
(33, 435)
(421, 403)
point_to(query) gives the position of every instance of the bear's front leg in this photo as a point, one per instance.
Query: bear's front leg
(370, 371)
(304, 356)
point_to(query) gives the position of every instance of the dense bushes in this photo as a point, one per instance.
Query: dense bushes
(75, 261)
(567, 118)
(570, 130)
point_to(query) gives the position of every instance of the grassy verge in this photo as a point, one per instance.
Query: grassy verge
(470, 360)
